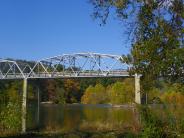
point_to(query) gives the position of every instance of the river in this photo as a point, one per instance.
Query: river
(102, 118)
(79, 117)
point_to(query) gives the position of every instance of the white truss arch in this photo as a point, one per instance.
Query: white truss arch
(68, 65)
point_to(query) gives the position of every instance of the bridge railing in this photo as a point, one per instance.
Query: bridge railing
(65, 74)
(67, 65)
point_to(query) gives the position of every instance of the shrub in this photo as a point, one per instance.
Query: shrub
(10, 117)
(152, 126)
(173, 98)
(10, 113)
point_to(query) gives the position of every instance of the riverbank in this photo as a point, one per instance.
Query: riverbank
(130, 105)
(102, 121)
(76, 134)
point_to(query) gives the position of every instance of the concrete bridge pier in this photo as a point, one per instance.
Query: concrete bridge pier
(38, 106)
(24, 102)
(137, 89)
(24, 105)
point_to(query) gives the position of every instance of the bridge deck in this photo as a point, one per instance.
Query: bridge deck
(79, 65)
(65, 75)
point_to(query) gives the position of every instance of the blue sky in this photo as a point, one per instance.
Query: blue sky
(35, 29)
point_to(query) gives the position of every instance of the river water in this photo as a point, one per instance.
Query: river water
(71, 118)
(79, 117)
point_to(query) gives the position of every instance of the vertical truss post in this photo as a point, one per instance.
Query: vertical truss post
(137, 89)
(24, 102)
(74, 62)
(14, 71)
(39, 69)
(99, 64)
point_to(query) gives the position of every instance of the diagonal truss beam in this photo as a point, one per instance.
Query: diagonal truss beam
(67, 65)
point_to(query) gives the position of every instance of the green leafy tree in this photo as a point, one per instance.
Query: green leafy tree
(60, 97)
(157, 32)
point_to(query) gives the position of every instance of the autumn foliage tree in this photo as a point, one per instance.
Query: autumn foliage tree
(122, 92)
(72, 90)
(116, 93)
(95, 95)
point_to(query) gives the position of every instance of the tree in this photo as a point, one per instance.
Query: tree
(100, 94)
(122, 92)
(87, 98)
(49, 90)
(72, 91)
(60, 97)
(95, 95)
(117, 93)
(157, 28)
(129, 89)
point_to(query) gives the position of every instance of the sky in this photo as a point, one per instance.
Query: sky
(36, 29)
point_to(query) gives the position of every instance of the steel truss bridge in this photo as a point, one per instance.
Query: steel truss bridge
(66, 66)
(78, 65)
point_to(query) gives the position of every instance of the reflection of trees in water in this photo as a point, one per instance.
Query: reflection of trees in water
(95, 113)
(72, 118)
(32, 114)
(89, 118)
(109, 119)
(51, 117)
(99, 118)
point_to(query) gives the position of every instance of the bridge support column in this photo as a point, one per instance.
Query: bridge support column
(137, 89)
(24, 102)
(38, 106)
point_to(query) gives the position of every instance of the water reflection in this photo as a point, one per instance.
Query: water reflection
(94, 118)
(101, 120)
